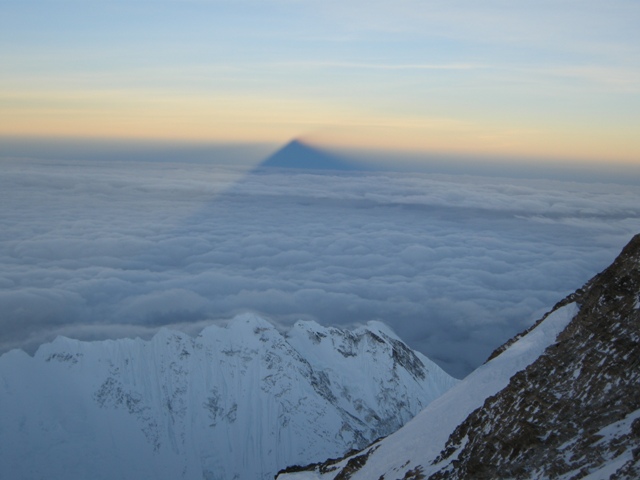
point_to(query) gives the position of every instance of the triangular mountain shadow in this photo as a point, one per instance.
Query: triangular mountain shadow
(299, 155)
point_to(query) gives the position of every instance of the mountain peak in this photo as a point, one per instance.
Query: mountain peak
(237, 401)
(561, 400)
(300, 155)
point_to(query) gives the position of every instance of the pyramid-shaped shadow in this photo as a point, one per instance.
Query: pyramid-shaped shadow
(244, 230)
(299, 155)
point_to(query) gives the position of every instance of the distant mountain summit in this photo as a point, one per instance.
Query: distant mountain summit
(299, 155)
(238, 402)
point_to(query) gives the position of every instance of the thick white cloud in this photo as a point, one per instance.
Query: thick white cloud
(455, 264)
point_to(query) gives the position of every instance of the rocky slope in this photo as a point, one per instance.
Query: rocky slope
(569, 406)
(238, 402)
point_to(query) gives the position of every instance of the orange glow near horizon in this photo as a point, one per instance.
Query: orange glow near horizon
(558, 81)
(244, 119)
(495, 141)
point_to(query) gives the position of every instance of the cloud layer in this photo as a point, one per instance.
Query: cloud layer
(455, 264)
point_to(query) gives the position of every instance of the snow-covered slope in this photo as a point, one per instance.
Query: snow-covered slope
(239, 402)
(560, 401)
(421, 440)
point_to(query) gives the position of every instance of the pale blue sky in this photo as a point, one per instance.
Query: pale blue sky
(549, 79)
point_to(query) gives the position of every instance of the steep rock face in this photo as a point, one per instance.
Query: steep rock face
(234, 403)
(576, 409)
(569, 407)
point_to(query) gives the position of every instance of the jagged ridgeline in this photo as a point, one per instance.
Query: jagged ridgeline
(561, 400)
(239, 402)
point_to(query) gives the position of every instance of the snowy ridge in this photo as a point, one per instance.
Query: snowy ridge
(561, 400)
(420, 442)
(239, 402)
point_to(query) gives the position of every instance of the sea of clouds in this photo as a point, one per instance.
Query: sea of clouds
(454, 264)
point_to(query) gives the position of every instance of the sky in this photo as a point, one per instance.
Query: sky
(549, 80)
(454, 264)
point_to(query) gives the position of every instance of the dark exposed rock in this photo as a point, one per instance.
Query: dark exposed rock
(405, 357)
(571, 411)
(355, 463)
(414, 474)
(574, 412)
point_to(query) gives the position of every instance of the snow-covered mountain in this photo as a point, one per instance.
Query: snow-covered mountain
(561, 400)
(236, 402)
